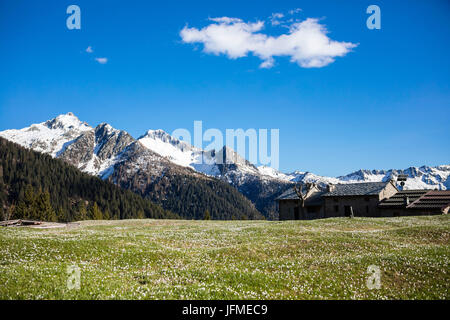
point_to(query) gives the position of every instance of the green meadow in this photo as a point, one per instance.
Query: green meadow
(180, 259)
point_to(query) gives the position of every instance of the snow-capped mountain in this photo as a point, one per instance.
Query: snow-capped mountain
(259, 184)
(92, 150)
(51, 136)
(152, 158)
(220, 164)
(236, 170)
(423, 177)
(116, 156)
(97, 151)
(179, 152)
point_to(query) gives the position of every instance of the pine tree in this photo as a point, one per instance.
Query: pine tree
(95, 212)
(106, 215)
(44, 210)
(82, 211)
(26, 208)
(207, 215)
(141, 214)
(62, 215)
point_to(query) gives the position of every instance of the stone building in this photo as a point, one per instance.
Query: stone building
(367, 199)
(361, 199)
(289, 205)
(337, 201)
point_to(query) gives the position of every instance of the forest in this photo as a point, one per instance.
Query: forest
(37, 187)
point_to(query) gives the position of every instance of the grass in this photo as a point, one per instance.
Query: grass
(170, 259)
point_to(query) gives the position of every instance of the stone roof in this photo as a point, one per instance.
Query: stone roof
(434, 199)
(289, 194)
(398, 199)
(314, 199)
(357, 189)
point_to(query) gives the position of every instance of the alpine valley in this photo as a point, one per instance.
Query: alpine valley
(184, 179)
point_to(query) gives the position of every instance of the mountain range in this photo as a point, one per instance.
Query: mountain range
(185, 179)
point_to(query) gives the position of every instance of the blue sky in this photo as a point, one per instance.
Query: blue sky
(383, 105)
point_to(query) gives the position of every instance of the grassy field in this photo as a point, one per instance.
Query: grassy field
(165, 259)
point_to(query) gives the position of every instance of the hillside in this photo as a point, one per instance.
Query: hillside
(180, 259)
(36, 186)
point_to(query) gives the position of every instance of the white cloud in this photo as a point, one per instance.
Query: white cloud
(275, 18)
(89, 49)
(306, 42)
(225, 20)
(101, 60)
(294, 11)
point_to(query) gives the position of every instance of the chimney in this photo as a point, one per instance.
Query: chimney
(406, 201)
(330, 187)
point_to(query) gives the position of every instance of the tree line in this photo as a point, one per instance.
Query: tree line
(35, 186)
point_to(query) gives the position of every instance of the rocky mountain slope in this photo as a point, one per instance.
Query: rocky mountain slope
(116, 156)
(36, 186)
(163, 167)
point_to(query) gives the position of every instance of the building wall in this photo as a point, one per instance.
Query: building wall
(363, 206)
(287, 210)
(388, 192)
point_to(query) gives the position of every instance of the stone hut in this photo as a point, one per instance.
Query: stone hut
(359, 199)
(289, 205)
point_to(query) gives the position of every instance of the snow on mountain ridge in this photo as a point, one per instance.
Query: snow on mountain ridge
(211, 162)
(423, 177)
(273, 173)
(172, 148)
(214, 163)
(67, 121)
(102, 146)
(237, 171)
(51, 136)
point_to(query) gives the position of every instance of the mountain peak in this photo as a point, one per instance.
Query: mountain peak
(232, 157)
(67, 121)
(106, 127)
(158, 138)
(51, 136)
(161, 135)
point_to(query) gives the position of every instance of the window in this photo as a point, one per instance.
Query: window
(336, 208)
